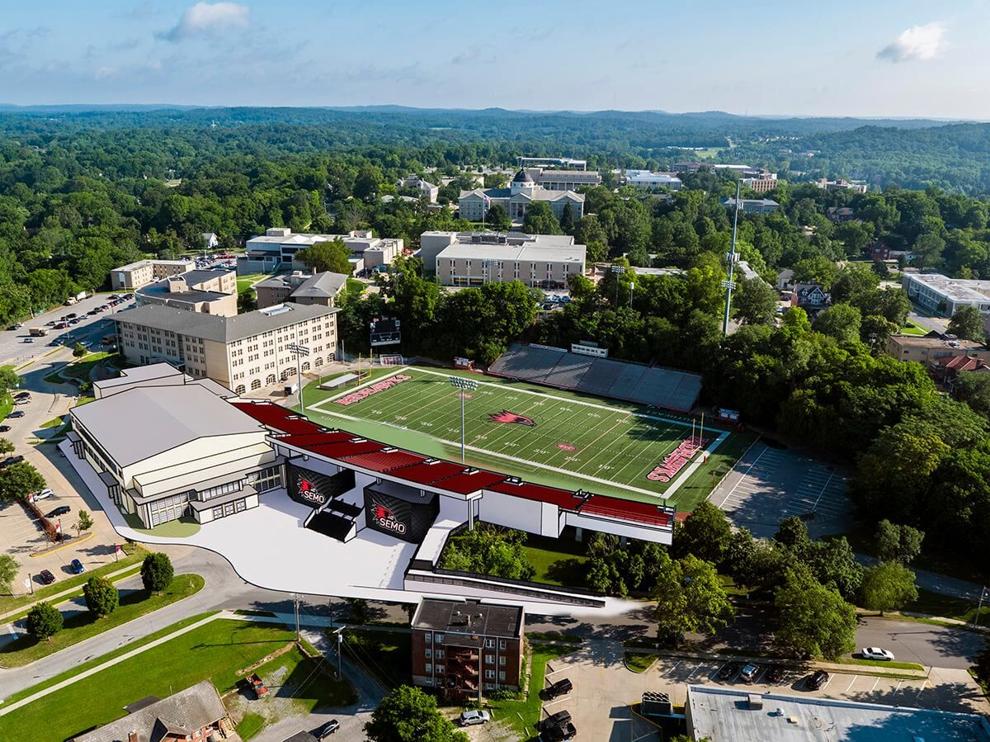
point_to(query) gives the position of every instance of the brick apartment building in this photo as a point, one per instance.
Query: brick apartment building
(459, 644)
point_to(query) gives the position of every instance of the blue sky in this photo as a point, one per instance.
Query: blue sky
(866, 58)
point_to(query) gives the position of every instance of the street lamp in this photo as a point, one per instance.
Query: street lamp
(462, 385)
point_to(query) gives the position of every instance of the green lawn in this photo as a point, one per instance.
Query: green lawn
(181, 528)
(910, 328)
(944, 606)
(133, 553)
(557, 561)
(6, 405)
(639, 661)
(250, 725)
(880, 663)
(524, 713)
(246, 282)
(80, 369)
(81, 626)
(575, 441)
(214, 652)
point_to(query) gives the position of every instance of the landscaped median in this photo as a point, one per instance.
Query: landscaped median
(83, 625)
(218, 648)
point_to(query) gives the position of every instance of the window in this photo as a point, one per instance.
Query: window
(241, 505)
(501, 643)
(501, 676)
(217, 513)
(489, 674)
(220, 490)
(429, 667)
(501, 660)
(428, 638)
(489, 644)
(167, 509)
(489, 659)
(428, 653)
(439, 638)
(440, 654)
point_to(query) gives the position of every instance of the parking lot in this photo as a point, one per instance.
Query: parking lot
(604, 687)
(768, 484)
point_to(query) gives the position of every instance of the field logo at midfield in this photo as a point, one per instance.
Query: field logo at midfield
(567, 447)
(674, 461)
(510, 417)
(380, 386)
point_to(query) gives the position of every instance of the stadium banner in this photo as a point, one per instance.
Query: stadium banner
(674, 461)
(380, 386)
(315, 489)
(405, 517)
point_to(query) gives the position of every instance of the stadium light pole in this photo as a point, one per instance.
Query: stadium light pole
(300, 351)
(462, 385)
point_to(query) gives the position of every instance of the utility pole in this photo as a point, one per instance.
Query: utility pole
(295, 606)
(731, 257)
(979, 609)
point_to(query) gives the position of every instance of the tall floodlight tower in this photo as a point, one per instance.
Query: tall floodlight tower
(731, 260)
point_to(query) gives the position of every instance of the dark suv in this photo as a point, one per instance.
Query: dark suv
(817, 679)
(560, 688)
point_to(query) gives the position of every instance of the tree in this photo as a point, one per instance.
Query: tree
(814, 620)
(690, 597)
(705, 534)
(973, 388)
(793, 533)
(755, 303)
(834, 564)
(330, 256)
(897, 543)
(540, 219)
(101, 596)
(497, 219)
(44, 621)
(79, 350)
(818, 269)
(156, 572)
(8, 571)
(887, 586)
(841, 321)
(19, 480)
(567, 221)
(247, 301)
(967, 324)
(407, 714)
(6, 446)
(8, 378)
(83, 522)
(489, 550)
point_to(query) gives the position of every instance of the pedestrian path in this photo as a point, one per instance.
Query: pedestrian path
(70, 592)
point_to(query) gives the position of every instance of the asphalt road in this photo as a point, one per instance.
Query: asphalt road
(912, 641)
(15, 351)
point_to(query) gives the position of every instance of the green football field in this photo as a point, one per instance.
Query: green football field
(545, 435)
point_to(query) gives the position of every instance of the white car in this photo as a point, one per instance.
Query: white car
(42, 495)
(472, 717)
(875, 653)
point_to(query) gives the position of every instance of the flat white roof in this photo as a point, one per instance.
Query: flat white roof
(957, 289)
(528, 252)
(725, 715)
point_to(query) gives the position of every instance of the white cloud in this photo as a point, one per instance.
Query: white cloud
(918, 43)
(206, 18)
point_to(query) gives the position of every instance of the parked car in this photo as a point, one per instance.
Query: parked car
(16, 413)
(749, 672)
(23, 395)
(775, 673)
(816, 680)
(76, 567)
(42, 495)
(327, 729)
(45, 577)
(23, 400)
(472, 717)
(558, 733)
(4, 428)
(12, 460)
(28, 340)
(60, 511)
(561, 718)
(728, 671)
(560, 688)
(876, 653)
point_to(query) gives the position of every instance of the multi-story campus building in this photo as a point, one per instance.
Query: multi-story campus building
(762, 183)
(564, 180)
(207, 291)
(522, 192)
(752, 205)
(135, 275)
(841, 184)
(945, 296)
(649, 179)
(279, 245)
(242, 353)
(300, 288)
(193, 454)
(476, 258)
(933, 347)
(461, 647)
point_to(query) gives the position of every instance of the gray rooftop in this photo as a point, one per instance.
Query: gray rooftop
(725, 715)
(189, 710)
(222, 329)
(321, 285)
(145, 421)
(469, 616)
(140, 373)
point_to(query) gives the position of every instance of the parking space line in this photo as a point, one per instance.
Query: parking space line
(875, 684)
(691, 674)
(852, 682)
(669, 671)
(827, 683)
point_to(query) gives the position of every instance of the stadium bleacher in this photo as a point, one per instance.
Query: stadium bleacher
(603, 377)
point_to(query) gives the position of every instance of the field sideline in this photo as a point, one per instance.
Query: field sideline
(555, 437)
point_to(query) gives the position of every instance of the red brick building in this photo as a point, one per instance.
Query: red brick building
(462, 646)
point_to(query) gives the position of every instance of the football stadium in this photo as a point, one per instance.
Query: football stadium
(556, 437)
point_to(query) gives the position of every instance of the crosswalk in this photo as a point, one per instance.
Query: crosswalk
(769, 484)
